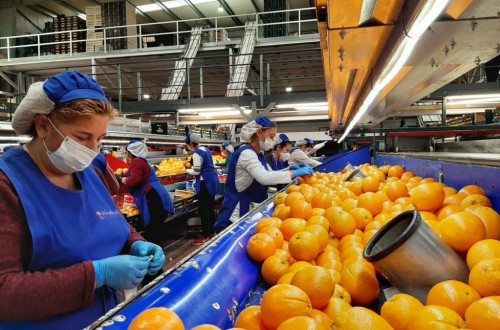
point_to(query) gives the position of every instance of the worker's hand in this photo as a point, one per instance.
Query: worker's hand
(147, 249)
(120, 272)
(119, 177)
(297, 166)
(322, 157)
(320, 145)
(301, 171)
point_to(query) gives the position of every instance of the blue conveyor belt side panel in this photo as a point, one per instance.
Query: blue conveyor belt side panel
(455, 175)
(355, 158)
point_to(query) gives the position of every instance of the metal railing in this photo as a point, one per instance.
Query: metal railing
(299, 24)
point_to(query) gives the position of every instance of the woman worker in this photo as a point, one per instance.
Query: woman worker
(151, 198)
(300, 153)
(206, 185)
(66, 248)
(227, 151)
(278, 159)
(249, 174)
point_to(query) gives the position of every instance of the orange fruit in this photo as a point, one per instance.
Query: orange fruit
(317, 211)
(356, 187)
(353, 251)
(303, 246)
(374, 225)
(475, 199)
(283, 254)
(158, 318)
(261, 246)
(446, 211)
(275, 234)
(448, 191)
(427, 180)
(328, 260)
(455, 295)
(360, 282)
(427, 196)
(348, 241)
(206, 327)
(293, 188)
(436, 317)
(282, 302)
(322, 200)
(395, 171)
(342, 223)
(341, 293)
(373, 202)
(298, 265)
(282, 212)
(319, 220)
(308, 193)
(472, 189)
(385, 169)
(485, 277)
(360, 318)
(368, 235)
(426, 215)
(370, 183)
(361, 216)
(273, 268)
(483, 314)
(395, 190)
(320, 233)
(490, 219)
(483, 250)
(279, 198)
(317, 282)
(455, 199)
(250, 318)
(348, 204)
(275, 222)
(300, 209)
(286, 279)
(461, 230)
(407, 176)
(322, 318)
(300, 322)
(399, 309)
(335, 307)
(403, 201)
(292, 197)
(291, 226)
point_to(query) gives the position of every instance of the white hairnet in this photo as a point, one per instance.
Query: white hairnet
(300, 143)
(35, 102)
(229, 148)
(194, 138)
(248, 130)
(138, 149)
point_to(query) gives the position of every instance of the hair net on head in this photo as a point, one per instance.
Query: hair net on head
(138, 149)
(249, 129)
(228, 147)
(192, 138)
(300, 143)
(43, 97)
(282, 138)
(309, 141)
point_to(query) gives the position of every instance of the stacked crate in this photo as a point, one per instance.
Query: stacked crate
(115, 15)
(68, 24)
(275, 30)
(95, 33)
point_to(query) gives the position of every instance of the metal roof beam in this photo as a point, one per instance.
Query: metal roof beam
(70, 7)
(228, 10)
(170, 13)
(45, 10)
(257, 7)
(197, 11)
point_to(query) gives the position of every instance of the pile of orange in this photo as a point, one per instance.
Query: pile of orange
(311, 253)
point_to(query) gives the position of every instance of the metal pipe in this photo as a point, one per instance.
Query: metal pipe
(261, 80)
(268, 76)
(119, 74)
(139, 87)
(443, 111)
(201, 83)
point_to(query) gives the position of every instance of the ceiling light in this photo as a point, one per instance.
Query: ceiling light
(299, 105)
(170, 4)
(474, 96)
(146, 96)
(474, 101)
(431, 10)
(83, 16)
(192, 110)
(288, 89)
(223, 113)
(220, 9)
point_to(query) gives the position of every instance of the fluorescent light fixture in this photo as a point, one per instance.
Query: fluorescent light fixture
(431, 10)
(288, 89)
(474, 96)
(170, 5)
(146, 96)
(220, 9)
(474, 101)
(194, 110)
(301, 105)
(224, 113)
(83, 16)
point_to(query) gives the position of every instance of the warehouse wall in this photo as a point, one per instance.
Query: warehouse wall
(24, 27)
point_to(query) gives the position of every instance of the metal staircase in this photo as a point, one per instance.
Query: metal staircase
(242, 61)
(182, 65)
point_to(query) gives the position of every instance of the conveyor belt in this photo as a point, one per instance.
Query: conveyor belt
(486, 159)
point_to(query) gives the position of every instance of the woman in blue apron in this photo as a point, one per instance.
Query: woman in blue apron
(277, 159)
(300, 153)
(207, 185)
(66, 249)
(227, 151)
(151, 198)
(249, 174)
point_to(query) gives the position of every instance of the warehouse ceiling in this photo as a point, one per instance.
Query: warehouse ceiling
(363, 37)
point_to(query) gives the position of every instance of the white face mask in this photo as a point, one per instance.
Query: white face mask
(268, 144)
(71, 156)
(284, 156)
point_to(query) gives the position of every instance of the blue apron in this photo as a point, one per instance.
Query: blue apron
(67, 227)
(139, 193)
(208, 173)
(256, 193)
(293, 149)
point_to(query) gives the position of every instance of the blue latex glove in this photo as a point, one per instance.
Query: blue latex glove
(120, 272)
(146, 249)
(297, 166)
(322, 157)
(301, 171)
